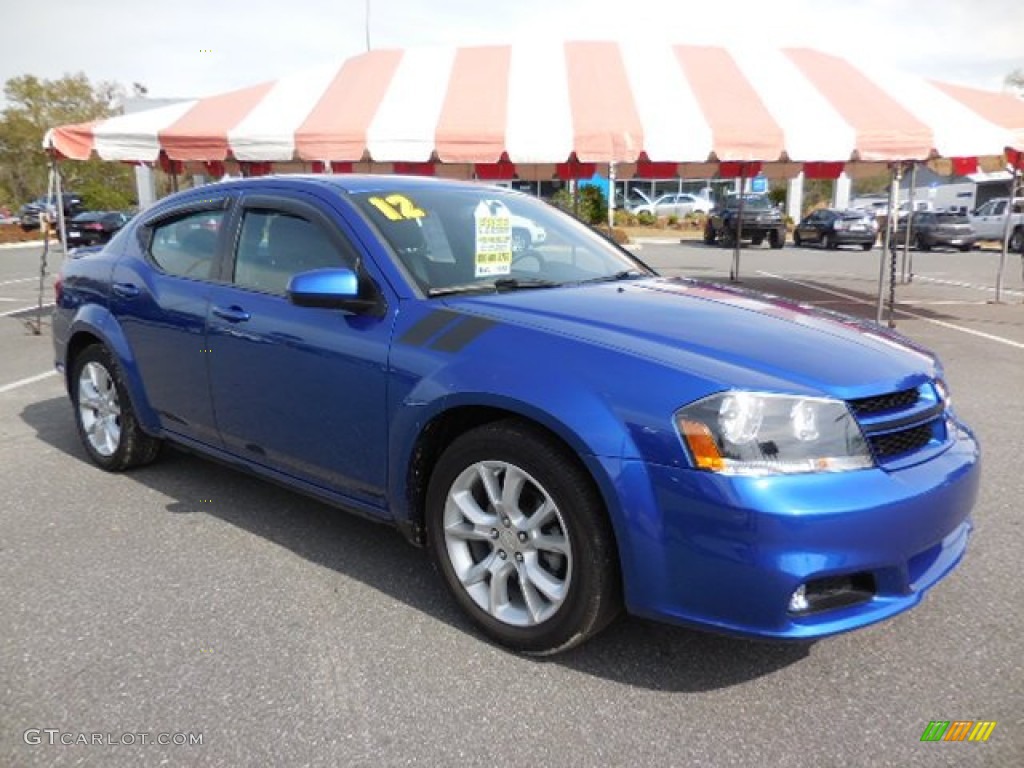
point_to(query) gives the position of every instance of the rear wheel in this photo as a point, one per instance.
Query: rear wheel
(776, 238)
(921, 243)
(829, 241)
(522, 539)
(964, 248)
(866, 246)
(709, 234)
(104, 415)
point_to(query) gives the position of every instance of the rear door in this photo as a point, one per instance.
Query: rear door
(160, 294)
(298, 389)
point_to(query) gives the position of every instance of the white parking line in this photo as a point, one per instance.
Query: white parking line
(857, 300)
(959, 284)
(10, 312)
(26, 382)
(19, 280)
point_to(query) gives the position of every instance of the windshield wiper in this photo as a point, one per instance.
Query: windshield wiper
(626, 274)
(501, 285)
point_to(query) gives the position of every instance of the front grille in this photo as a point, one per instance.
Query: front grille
(893, 401)
(896, 443)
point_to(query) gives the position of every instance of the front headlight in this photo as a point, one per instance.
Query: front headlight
(749, 433)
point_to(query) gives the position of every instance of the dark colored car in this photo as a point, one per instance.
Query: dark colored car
(761, 220)
(830, 228)
(95, 227)
(933, 229)
(30, 212)
(566, 432)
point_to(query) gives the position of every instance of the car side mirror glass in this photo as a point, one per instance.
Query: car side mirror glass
(332, 289)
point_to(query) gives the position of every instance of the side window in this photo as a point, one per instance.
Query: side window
(998, 209)
(274, 245)
(187, 246)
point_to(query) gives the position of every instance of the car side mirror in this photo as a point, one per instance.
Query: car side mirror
(333, 289)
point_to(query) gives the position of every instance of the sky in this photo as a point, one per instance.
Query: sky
(192, 48)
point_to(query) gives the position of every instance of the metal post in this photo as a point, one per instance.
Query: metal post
(910, 231)
(1006, 234)
(734, 273)
(888, 241)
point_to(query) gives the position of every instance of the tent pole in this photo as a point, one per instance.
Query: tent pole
(910, 233)
(734, 273)
(1006, 234)
(611, 195)
(888, 242)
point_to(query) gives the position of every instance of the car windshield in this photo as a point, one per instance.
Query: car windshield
(952, 218)
(753, 202)
(466, 239)
(88, 217)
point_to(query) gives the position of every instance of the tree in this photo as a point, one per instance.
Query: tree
(1015, 81)
(36, 105)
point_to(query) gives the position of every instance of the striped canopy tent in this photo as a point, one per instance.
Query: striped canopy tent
(567, 110)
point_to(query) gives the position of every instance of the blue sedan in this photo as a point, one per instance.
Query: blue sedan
(566, 432)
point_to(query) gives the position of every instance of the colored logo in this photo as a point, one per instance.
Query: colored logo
(958, 730)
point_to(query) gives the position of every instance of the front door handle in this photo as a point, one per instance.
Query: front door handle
(232, 314)
(126, 290)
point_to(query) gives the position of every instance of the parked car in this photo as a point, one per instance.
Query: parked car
(931, 229)
(830, 228)
(526, 234)
(94, 227)
(565, 431)
(675, 204)
(761, 219)
(30, 212)
(989, 221)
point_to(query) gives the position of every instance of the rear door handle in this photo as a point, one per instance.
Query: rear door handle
(126, 290)
(231, 314)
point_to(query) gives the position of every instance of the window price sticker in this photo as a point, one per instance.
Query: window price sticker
(493, 239)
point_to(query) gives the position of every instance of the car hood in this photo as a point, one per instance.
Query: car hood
(732, 337)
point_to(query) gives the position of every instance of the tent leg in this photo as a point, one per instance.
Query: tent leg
(889, 246)
(734, 272)
(904, 277)
(1006, 235)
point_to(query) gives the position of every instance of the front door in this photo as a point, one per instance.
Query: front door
(301, 390)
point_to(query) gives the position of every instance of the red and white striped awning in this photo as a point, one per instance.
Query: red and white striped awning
(585, 102)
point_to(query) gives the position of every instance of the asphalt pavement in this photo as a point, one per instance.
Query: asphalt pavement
(192, 602)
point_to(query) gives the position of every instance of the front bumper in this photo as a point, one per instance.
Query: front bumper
(727, 553)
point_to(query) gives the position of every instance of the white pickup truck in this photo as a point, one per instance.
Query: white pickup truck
(989, 221)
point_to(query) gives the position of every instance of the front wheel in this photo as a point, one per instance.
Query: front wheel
(922, 244)
(776, 238)
(709, 234)
(104, 415)
(1017, 240)
(522, 539)
(829, 241)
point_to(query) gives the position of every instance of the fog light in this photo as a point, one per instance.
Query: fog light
(798, 602)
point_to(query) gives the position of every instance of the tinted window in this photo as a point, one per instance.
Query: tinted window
(273, 246)
(88, 217)
(952, 218)
(186, 246)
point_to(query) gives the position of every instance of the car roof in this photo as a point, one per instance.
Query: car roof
(351, 183)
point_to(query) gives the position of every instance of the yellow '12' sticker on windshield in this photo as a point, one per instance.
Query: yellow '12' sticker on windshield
(397, 207)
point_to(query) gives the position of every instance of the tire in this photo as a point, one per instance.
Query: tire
(757, 239)
(104, 415)
(866, 246)
(1016, 240)
(965, 248)
(797, 240)
(829, 241)
(776, 239)
(921, 244)
(709, 234)
(521, 240)
(486, 551)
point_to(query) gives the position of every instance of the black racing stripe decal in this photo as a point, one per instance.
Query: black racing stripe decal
(462, 334)
(428, 326)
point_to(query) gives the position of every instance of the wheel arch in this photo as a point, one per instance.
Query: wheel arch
(97, 326)
(445, 426)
